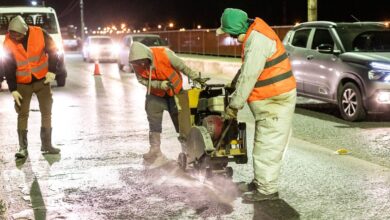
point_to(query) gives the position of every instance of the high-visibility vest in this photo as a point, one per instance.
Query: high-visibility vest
(34, 61)
(276, 77)
(163, 71)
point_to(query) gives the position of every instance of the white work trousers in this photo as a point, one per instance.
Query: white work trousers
(273, 118)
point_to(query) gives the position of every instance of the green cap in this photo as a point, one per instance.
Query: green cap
(233, 21)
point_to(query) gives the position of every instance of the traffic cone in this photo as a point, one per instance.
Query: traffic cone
(96, 71)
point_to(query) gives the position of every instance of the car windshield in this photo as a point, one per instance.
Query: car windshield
(101, 40)
(46, 21)
(150, 41)
(365, 39)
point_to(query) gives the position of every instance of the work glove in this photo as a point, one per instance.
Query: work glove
(17, 97)
(165, 85)
(49, 77)
(230, 113)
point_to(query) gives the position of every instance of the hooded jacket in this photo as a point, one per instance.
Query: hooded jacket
(9, 62)
(30, 62)
(258, 48)
(276, 77)
(140, 51)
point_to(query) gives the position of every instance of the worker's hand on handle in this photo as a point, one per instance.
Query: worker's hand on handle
(49, 77)
(230, 113)
(165, 85)
(17, 97)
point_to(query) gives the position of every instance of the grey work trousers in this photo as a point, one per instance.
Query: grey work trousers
(45, 99)
(155, 107)
(273, 118)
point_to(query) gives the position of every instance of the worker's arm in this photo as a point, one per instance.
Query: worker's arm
(51, 50)
(9, 68)
(156, 84)
(258, 49)
(179, 64)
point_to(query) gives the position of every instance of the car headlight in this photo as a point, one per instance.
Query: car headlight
(379, 72)
(115, 48)
(383, 97)
(94, 49)
(379, 75)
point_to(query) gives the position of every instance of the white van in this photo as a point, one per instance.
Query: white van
(44, 17)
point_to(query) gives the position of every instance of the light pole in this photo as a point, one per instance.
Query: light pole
(311, 10)
(82, 20)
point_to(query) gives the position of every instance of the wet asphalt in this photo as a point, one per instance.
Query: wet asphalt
(100, 125)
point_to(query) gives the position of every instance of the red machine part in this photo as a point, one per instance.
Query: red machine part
(214, 125)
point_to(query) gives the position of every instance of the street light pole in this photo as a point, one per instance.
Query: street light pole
(311, 10)
(82, 20)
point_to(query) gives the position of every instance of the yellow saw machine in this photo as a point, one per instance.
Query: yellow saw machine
(209, 142)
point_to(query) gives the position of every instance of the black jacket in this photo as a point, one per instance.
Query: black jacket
(9, 64)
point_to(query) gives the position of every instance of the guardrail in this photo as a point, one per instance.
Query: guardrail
(205, 42)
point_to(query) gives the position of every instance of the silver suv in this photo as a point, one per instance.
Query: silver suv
(347, 64)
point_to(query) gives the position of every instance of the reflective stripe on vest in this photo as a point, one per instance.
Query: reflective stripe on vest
(44, 65)
(163, 71)
(273, 80)
(275, 61)
(174, 82)
(34, 61)
(276, 77)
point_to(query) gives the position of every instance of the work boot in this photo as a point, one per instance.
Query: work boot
(246, 187)
(47, 147)
(154, 150)
(257, 196)
(22, 153)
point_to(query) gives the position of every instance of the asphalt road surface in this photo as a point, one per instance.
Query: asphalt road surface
(100, 125)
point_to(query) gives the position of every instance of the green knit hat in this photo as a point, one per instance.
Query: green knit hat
(233, 21)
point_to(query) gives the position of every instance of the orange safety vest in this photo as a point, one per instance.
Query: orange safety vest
(34, 61)
(163, 71)
(276, 77)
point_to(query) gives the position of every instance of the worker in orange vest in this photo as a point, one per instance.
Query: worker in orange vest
(267, 84)
(29, 65)
(159, 69)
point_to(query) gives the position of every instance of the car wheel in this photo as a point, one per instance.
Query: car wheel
(351, 103)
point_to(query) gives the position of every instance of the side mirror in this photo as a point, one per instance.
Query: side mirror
(325, 48)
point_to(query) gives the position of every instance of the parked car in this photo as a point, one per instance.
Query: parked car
(44, 17)
(150, 40)
(347, 64)
(100, 48)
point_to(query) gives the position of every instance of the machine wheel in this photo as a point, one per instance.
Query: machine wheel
(182, 161)
(229, 171)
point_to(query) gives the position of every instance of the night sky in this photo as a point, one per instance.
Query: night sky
(189, 13)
